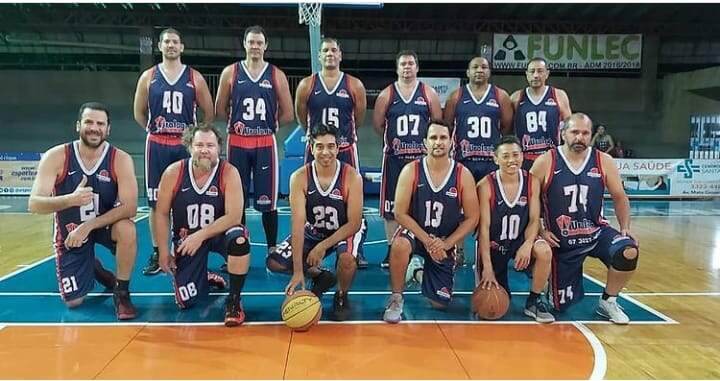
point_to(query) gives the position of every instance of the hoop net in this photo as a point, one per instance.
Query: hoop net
(310, 14)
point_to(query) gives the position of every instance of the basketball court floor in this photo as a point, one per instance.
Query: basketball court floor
(680, 262)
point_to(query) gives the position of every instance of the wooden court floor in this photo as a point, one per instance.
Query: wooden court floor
(679, 276)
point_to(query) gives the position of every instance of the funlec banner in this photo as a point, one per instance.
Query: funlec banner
(586, 52)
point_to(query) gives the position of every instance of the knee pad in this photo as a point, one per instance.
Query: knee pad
(239, 250)
(621, 263)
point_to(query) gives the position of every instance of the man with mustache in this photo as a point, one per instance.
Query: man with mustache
(254, 97)
(203, 195)
(91, 187)
(539, 111)
(166, 99)
(573, 178)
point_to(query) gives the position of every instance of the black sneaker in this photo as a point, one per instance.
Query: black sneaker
(104, 276)
(152, 267)
(124, 309)
(341, 307)
(323, 282)
(386, 262)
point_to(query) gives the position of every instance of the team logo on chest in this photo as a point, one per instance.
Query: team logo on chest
(522, 201)
(265, 84)
(342, 94)
(550, 102)
(212, 191)
(336, 194)
(452, 192)
(594, 172)
(420, 101)
(492, 103)
(104, 176)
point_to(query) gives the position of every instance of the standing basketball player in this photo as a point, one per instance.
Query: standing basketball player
(203, 195)
(480, 113)
(333, 98)
(326, 200)
(539, 111)
(402, 113)
(573, 179)
(254, 97)
(509, 221)
(166, 99)
(436, 207)
(91, 187)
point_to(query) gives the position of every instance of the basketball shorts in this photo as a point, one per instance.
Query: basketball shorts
(501, 261)
(257, 161)
(438, 278)
(566, 275)
(75, 267)
(190, 281)
(283, 252)
(160, 152)
(479, 168)
(347, 155)
(391, 168)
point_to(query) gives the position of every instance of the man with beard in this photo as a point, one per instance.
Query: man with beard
(254, 97)
(573, 178)
(204, 197)
(436, 207)
(480, 113)
(539, 111)
(326, 201)
(402, 113)
(166, 99)
(91, 187)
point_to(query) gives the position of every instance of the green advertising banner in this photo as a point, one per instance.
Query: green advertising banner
(581, 52)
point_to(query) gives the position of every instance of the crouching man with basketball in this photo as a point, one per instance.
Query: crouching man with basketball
(509, 220)
(436, 207)
(205, 198)
(573, 179)
(326, 201)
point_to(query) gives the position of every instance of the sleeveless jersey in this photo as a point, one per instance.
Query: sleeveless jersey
(477, 124)
(406, 123)
(573, 200)
(194, 208)
(538, 124)
(171, 106)
(101, 178)
(509, 218)
(254, 102)
(437, 210)
(334, 107)
(326, 210)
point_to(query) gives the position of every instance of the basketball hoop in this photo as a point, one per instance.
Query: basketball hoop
(310, 14)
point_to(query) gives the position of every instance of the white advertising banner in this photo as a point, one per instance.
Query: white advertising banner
(670, 177)
(443, 86)
(585, 52)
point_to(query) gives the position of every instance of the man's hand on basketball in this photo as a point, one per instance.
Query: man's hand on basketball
(522, 256)
(77, 237)
(488, 278)
(550, 238)
(167, 263)
(191, 244)
(315, 256)
(298, 279)
(82, 195)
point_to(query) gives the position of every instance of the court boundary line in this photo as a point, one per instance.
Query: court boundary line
(600, 356)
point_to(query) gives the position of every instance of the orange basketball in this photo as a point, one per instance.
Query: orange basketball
(301, 310)
(490, 304)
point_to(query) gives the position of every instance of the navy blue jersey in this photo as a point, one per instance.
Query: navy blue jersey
(101, 178)
(171, 106)
(326, 210)
(509, 218)
(538, 124)
(194, 208)
(438, 210)
(406, 123)
(573, 200)
(477, 124)
(253, 102)
(333, 107)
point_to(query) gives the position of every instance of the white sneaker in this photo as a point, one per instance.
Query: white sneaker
(414, 272)
(393, 312)
(611, 310)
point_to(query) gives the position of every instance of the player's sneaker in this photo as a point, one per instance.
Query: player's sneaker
(124, 309)
(415, 269)
(341, 307)
(539, 311)
(234, 312)
(216, 280)
(393, 312)
(104, 276)
(152, 267)
(323, 282)
(612, 311)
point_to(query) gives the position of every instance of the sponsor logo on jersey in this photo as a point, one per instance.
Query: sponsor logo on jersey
(104, 176)
(212, 191)
(550, 102)
(452, 192)
(468, 149)
(164, 126)
(190, 85)
(263, 200)
(522, 201)
(570, 227)
(594, 172)
(70, 227)
(238, 127)
(444, 293)
(492, 103)
(343, 94)
(335, 194)
(420, 101)
(265, 84)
